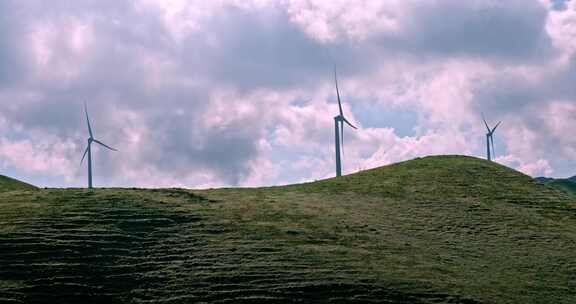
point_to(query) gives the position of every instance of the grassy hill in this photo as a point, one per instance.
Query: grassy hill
(564, 185)
(567, 185)
(445, 229)
(10, 184)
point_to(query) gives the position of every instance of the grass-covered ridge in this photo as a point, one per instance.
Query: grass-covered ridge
(444, 229)
(567, 185)
(10, 184)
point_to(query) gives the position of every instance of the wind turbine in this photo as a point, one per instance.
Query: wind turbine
(88, 148)
(490, 139)
(339, 121)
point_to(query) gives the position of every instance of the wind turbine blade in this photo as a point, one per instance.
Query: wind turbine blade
(102, 144)
(485, 123)
(496, 127)
(83, 156)
(88, 120)
(338, 92)
(346, 120)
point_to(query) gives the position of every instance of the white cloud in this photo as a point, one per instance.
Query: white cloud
(211, 93)
(333, 21)
(561, 27)
(538, 167)
(46, 157)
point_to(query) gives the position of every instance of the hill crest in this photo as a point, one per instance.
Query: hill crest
(11, 184)
(442, 229)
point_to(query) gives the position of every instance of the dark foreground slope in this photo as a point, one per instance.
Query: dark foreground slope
(431, 230)
(10, 184)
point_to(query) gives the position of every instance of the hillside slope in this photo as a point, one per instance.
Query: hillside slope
(445, 229)
(567, 185)
(10, 184)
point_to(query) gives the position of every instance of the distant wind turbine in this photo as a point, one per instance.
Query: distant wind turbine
(339, 129)
(88, 149)
(490, 139)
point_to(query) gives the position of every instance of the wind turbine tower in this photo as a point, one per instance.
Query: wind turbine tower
(88, 150)
(490, 154)
(339, 121)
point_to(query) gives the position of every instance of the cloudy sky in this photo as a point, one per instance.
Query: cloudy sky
(240, 92)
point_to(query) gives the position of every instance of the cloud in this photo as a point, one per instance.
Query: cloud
(211, 93)
(45, 157)
(538, 167)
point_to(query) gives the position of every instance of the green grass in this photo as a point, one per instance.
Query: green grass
(10, 184)
(566, 185)
(446, 229)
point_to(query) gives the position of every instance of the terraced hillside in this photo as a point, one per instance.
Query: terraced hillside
(10, 184)
(433, 230)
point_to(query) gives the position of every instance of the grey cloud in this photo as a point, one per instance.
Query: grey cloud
(252, 54)
(512, 30)
(178, 145)
(241, 51)
(255, 49)
(112, 76)
(13, 52)
(510, 91)
(525, 103)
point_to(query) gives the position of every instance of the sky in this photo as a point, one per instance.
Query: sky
(218, 93)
